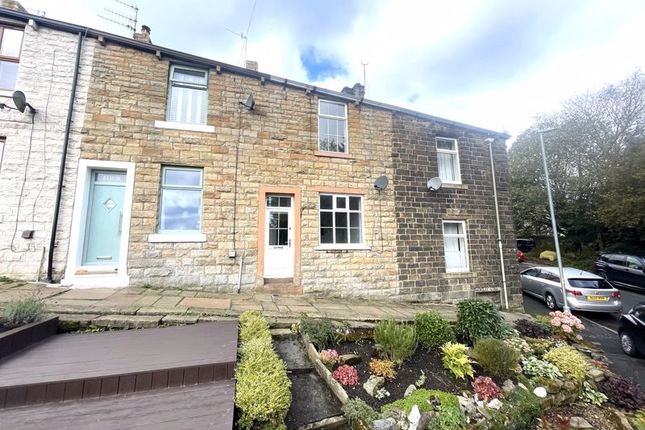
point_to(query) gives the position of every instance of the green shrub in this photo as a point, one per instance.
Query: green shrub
(23, 311)
(449, 418)
(456, 360)
(398, 340)
(253, 325)
(432, 330)
(496, 357)
(321, 332)
(519, 409)
(420, 398)
(262, 389)
(356, 410)
(477, 319)
(570, 362)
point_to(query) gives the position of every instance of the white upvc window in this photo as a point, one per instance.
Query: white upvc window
(448, 160)
(187, 95)
(10, 47)
(180, 209)
(455, 246)
(332, 126)
(341, 219)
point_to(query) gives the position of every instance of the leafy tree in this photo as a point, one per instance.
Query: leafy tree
(596, 165)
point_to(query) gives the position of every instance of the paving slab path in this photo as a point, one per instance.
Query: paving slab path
(138, 307)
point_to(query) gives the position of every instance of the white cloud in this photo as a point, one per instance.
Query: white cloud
(493, 64)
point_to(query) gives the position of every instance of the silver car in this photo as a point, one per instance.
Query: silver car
(585, 291)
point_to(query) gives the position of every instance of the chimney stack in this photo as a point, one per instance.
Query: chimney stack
(252, 65)
(358, 91)
(144, 36)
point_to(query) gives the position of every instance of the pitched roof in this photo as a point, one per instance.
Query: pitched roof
(194, 59)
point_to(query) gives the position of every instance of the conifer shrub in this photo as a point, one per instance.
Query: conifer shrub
(262, 388)
(432, 330)
(496, 357)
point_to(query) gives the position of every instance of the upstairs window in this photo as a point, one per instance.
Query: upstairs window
(181, 200)
(341, 219)
(10, 45)
(455, 246)
(188, 95)
(448, 160)
(332, 126)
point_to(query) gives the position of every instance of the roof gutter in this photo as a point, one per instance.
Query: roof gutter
(61, 173)
(263, 77)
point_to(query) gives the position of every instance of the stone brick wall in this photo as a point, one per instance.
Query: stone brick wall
(276, 144)
(32, 153)
(420, 212)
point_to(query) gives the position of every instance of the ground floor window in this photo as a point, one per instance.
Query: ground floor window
(181, 200)
(341, 219)
(455, 246)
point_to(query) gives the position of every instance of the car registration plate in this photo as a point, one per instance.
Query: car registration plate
(597, 298)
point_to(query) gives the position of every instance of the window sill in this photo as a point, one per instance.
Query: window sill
(460, 274)
(333, 154)
(185, 126)
(176, 238)
(344, 247)
(454, 185)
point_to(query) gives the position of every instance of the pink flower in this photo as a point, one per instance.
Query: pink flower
(566, 329)
(579, 337)
(551, 314)
(556, 322)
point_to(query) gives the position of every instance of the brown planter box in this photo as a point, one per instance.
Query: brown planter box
(26, 335)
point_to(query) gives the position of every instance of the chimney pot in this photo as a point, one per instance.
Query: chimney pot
(145, 29)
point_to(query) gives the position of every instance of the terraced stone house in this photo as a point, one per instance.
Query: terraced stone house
(185, 171)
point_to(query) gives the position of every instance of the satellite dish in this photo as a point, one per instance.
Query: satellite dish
(249, 103)
(380, 183)
(434, 184)
(20, 101)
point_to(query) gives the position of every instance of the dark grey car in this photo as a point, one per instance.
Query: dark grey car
(622, 269)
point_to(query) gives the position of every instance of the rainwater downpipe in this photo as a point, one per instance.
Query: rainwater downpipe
(490, 142)
(61, 174)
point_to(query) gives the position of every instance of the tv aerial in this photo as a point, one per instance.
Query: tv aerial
(127, 19)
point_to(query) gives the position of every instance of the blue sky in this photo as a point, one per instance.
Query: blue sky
(491, 63)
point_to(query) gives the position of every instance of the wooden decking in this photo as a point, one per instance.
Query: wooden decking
(205, 406)
(133, 379)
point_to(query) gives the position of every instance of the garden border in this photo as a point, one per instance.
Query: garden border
(21, 337)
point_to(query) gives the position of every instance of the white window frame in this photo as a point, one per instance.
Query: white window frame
(455, 153)
(181, 84)
(183, 233)
(334, 210)
(463, 236)
(11, 58)
(344, 118)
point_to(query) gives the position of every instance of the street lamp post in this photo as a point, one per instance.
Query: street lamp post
(553, 222)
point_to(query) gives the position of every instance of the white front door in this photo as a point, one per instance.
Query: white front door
(278, 237)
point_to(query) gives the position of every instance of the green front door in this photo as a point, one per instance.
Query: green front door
(104, 218)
